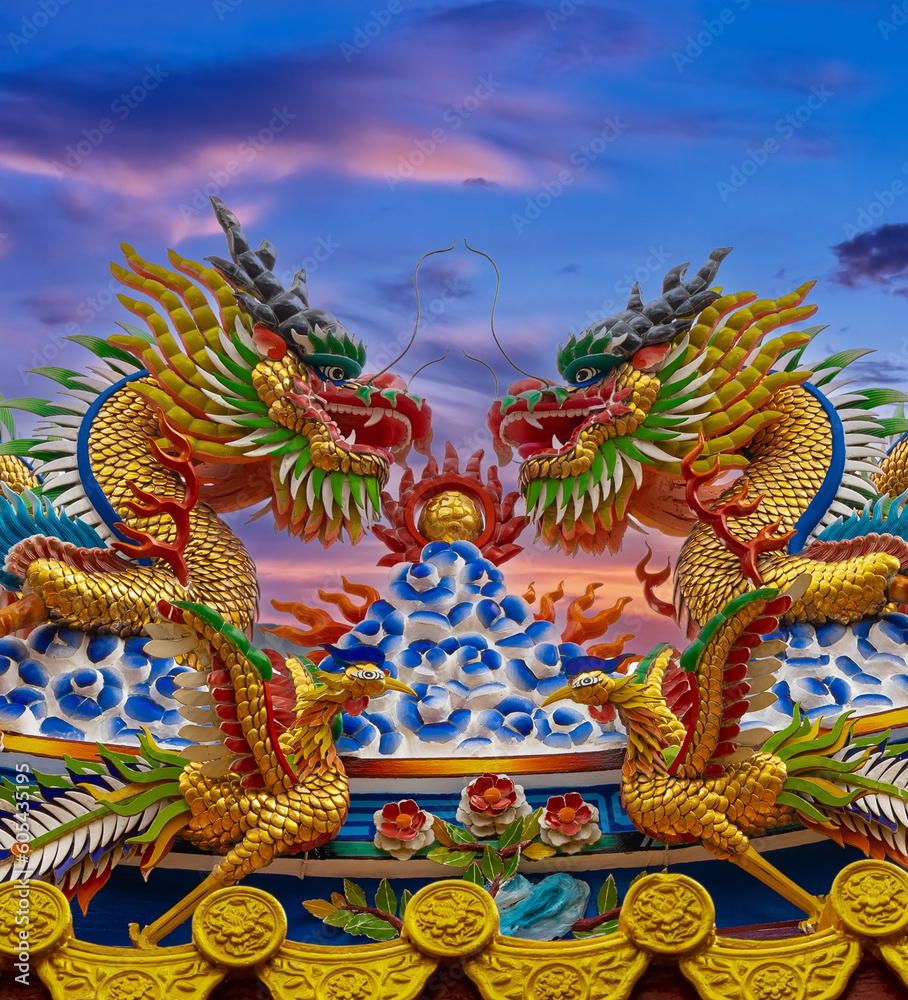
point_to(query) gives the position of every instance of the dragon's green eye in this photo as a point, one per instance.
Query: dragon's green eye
(586, 369)
(334, 348)
(334, 367)
(335, 373)
(586, 374)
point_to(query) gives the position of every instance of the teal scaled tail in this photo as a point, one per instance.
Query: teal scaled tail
(81, 824)
(28, 514)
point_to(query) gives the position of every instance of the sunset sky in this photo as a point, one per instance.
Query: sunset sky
(583, 145)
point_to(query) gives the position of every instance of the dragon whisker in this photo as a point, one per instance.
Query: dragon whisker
(416, 324)
(492, 317)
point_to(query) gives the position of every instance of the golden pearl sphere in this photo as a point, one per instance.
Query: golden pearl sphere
(451, 516)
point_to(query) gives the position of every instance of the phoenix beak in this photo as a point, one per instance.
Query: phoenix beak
(560, 695)
(394, 685)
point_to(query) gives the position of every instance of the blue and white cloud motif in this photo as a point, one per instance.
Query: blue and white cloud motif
(63, 683)
(480, 662)
(831, 668)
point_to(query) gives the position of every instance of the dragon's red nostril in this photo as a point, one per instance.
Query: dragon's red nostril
(526, 385)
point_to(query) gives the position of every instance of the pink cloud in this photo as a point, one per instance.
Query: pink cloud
(299, 579)
(418, 157)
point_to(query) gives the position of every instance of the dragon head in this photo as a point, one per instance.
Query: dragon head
(309, 376)
(639, 386)
(271, 393)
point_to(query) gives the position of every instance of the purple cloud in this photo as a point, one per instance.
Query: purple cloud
(879, 256)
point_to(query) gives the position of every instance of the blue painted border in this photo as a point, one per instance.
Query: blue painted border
(826, 493)
(92, 490)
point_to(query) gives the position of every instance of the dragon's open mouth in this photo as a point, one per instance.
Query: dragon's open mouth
(579, 466)
(546, 428)
(382, 419)
(331, 477)
(549, 422)
(377, 419)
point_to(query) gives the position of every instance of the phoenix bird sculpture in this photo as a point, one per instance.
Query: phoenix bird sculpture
(695, 772)
(261, 778)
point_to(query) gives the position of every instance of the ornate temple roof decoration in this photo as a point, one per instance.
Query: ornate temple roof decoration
(480, 659)
(665, 921)
(451, 506)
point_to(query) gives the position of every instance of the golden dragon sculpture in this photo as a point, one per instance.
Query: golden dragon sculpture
(695, 772)
(267, 399)
(262, 778)
(605, 450)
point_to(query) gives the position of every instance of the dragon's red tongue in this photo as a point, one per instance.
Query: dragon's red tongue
(531, 447)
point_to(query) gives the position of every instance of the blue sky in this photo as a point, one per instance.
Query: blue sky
(578, 144)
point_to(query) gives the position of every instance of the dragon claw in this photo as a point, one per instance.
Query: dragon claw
(29, 610)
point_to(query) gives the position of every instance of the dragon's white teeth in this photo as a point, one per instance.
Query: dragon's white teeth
(374, 418)
(531, 418)
(310, 493)
(328, 497)
(556, 444)
(351, 438)
(287, 463)
(593, 490)
(295, 481)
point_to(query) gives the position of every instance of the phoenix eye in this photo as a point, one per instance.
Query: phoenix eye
(584, 682)
(369, 675)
